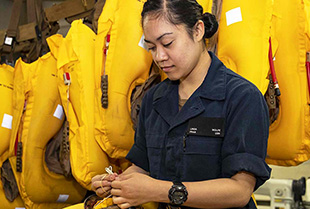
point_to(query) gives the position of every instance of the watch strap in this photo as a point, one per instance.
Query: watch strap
(178, 183)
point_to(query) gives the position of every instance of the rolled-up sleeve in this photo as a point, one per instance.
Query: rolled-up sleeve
(245, 142)
(138, 152)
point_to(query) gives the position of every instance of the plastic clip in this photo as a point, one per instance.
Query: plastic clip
(67, 79)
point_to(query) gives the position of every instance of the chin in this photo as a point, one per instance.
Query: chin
(172, 77)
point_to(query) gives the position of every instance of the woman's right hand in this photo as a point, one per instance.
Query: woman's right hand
(101, 184)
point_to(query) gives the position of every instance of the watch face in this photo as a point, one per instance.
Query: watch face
(177, 195)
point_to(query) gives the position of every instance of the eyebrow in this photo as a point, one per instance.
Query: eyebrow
(147, 41)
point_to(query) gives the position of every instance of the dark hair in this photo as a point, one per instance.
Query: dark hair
(186, 12)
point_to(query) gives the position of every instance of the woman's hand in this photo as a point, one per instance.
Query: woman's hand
(101, 184)
(132, 189)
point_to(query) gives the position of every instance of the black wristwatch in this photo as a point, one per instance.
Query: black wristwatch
(177, 194)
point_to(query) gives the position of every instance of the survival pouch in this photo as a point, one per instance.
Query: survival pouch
(8, 180)
(57, 153)
(139, 92)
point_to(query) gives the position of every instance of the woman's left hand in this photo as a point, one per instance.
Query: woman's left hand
(101, 184)
(132, 189)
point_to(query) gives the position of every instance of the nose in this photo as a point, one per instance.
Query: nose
(160, 54)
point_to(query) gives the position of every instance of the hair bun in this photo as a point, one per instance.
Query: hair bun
(211, 24)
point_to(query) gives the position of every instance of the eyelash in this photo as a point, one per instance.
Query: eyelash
(165, 45)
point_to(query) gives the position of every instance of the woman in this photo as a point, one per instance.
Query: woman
(202, 134)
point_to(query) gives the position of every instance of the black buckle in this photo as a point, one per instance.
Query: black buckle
(38, 32)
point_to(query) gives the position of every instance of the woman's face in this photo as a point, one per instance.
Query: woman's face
(173, 50)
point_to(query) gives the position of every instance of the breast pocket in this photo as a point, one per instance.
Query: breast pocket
(154, 144)
(202, 157)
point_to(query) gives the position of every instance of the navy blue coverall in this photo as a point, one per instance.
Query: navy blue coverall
(221, 129)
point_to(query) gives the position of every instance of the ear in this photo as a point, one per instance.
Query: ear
(199, 30)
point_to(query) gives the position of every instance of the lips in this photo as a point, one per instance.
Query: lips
(167, 68)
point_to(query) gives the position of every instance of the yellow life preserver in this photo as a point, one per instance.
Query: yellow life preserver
(6, 92)
(76, 206)
(6, 117)
(127, 65)
(247, 54)
(75, 55)
(289, 135)
(37, 117)
(27, 202)
(243, 35)
(5, 203)
(206, 5)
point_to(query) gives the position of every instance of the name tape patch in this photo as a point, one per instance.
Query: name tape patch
(205, 126)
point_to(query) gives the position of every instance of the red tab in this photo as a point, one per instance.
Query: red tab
(67, 78)
(108, 38)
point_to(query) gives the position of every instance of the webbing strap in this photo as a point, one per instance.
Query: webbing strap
(15, 16)
(11, 32)
(31, 11)
(39, 13)
(34, 12)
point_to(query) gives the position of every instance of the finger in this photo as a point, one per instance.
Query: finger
(103, 177)
(104, 189)
(94, 185)
(98, 177)
(118, 200)
(99, 184)
(124, 177)
(124, 206)
(116, 184)
(99, 192)
(114, 176)
(111, 177)
(116, 192)
(103, 192)
(94, 178)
